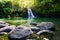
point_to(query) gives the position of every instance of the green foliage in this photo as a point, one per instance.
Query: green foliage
(42, 8)
(47, 8)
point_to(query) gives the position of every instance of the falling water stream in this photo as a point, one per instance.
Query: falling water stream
(30, 16)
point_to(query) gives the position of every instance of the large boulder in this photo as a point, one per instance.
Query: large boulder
(20, 33)
(46, 26)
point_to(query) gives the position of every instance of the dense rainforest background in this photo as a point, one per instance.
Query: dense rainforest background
(41, 8)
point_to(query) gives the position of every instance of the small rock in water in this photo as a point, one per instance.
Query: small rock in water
(46, 26)
(35, 29)
(33, 24)
(8, 28)
(20, 33)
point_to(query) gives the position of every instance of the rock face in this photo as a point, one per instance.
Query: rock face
(20, 33)
(46, 26)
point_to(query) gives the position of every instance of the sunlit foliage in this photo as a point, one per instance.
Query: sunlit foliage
(22, 3)
(40, 8)
(26, 3)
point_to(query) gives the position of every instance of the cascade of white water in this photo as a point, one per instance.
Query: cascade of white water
(30, 16)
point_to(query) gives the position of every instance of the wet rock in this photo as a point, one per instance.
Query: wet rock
(8, 28)
(42, 32)
(3, 24)
(35, 29)
(20, 33)
(33, 24)
(46, 26)
(2, 33)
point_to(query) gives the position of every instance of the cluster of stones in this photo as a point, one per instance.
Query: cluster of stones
(44, 26)
(21, 32)
(6, 27)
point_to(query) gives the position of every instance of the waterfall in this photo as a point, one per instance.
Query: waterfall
(30, 16)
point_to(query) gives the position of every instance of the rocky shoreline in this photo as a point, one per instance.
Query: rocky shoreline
(21, 32)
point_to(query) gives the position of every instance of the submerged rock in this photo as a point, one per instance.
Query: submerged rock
(46, 26)
(20, 33)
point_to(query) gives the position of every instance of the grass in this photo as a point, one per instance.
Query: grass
(22, 21)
